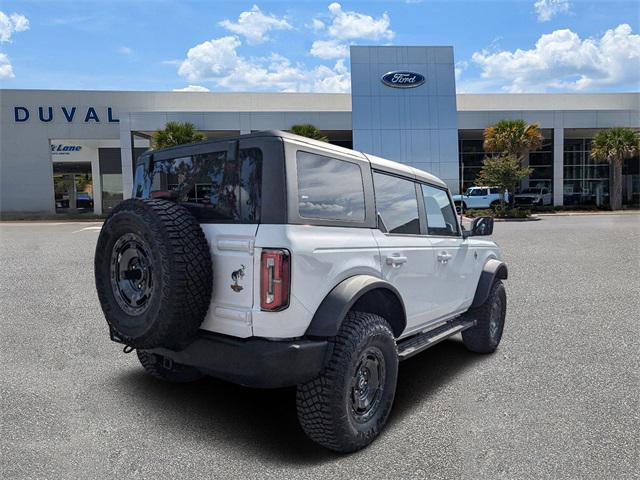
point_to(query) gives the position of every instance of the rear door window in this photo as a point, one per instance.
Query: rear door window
(329, 189)
(211, 187)
(396, 204)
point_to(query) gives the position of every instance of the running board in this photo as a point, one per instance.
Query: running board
(416, 344)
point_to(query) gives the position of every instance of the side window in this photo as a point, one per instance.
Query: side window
(494, 191)
(441, 217)
(396, 204)
(329, 189)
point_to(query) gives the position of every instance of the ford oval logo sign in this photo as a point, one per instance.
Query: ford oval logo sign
(403, 79)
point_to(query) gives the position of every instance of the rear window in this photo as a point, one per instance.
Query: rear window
(329, 189)
(211, 187)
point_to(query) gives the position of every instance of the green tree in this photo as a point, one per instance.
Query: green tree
(614, 146)
(515, 138)
(309, 131)
(504, 172)
(175, 133)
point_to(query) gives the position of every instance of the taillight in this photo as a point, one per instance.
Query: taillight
(275, 273)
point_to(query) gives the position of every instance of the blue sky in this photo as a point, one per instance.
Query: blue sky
(514, 46)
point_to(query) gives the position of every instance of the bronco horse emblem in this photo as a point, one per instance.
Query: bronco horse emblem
(237, 276)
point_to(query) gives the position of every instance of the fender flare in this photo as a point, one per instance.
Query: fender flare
(492, 270)
(329, 316)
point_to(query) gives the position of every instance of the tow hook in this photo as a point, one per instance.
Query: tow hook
(167, 363)
(128, 349)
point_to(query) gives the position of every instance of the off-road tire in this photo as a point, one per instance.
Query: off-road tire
(180, 273)
(324, 404)
(156, 366)
(485, 336)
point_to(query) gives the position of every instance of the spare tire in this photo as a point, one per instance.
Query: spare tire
(153, 273)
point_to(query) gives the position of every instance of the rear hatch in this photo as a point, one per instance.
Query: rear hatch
(220, 184)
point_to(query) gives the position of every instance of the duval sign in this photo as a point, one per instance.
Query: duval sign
(69, 114)
(402, 79)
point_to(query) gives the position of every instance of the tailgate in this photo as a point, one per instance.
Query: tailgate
(232, 254)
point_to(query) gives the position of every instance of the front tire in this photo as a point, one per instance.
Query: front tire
(158, 367)
(485, 336)
(346, 406)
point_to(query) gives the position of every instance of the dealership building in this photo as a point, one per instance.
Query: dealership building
(71, 151)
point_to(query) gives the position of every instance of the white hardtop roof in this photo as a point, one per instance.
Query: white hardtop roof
(402, 169)
(376, 162)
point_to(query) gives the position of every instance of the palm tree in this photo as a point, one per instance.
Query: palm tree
(309, 131)
(615, 145)
(176, 133)
(514, 138)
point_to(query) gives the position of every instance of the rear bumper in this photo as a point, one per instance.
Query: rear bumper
(253, 362)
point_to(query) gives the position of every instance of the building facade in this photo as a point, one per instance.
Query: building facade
(73, 151)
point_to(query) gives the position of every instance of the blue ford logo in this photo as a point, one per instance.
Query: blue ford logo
(403, 79)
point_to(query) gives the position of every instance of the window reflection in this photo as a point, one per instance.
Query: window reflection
(396, 203)
(329, 188)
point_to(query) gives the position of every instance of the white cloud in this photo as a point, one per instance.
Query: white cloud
(327, 49)
(561, 60)
(6, 70)
(345, 26)
(128, 51)
(354, 25)
(217, 61)
(10, 24)
(254, 25)
(317, 25)
(547, 9)
(460, 67)
(192, 88)
(210, 59)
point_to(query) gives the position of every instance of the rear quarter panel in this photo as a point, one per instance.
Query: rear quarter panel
(321, 257)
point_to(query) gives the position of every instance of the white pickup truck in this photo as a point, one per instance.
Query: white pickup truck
(479, 197)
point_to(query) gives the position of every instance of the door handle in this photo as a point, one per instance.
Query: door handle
(396, 260)
(444, 257)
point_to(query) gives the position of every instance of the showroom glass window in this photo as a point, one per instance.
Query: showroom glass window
(329, 188)
(396, 204)
(211, 187)
(586, 181)
(441, 216)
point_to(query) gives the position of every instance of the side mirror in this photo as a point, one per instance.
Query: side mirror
(480, 226)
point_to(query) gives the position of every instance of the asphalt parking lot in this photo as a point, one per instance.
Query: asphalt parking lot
(559, 399)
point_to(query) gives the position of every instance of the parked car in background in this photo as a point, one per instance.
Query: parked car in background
(84, 200)
(534, 196)
(479, 197)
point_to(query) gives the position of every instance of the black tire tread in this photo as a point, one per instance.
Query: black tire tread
(316, 399)
(476, 339)
(187, 270)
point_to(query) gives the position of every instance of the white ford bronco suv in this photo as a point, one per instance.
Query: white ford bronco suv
(273, 260)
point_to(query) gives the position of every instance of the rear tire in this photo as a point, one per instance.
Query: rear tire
(346, 406)
(171, 372)
(153, 273)
(485, 336)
